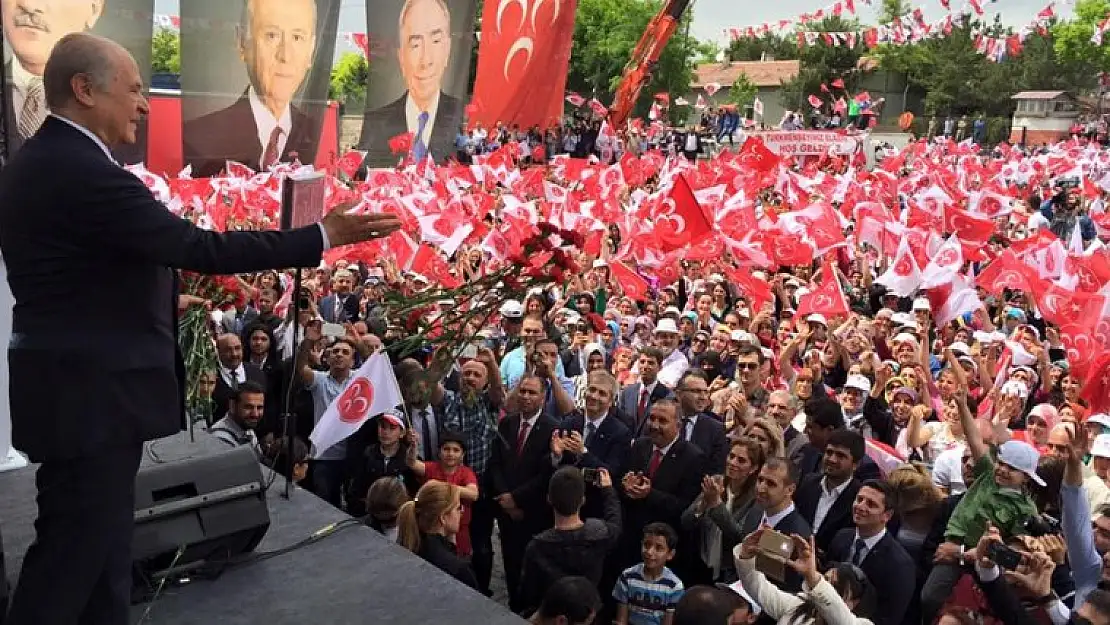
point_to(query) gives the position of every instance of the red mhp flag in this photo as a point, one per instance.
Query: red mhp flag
(755, 154)
(838, 83)
(968, 227)
(759, 291)
(814, 101)
(523, 85)
(598, 108)
(362, 42)
(826, 299)
(575, 99)
(1004, 272)
(350, 162)
(633, 284)
(904, 276)
(686, 224)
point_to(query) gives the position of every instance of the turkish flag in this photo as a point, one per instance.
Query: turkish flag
(522, 62)
(633, 284)
(1096, 388)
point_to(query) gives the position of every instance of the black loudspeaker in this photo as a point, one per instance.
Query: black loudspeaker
(197, 511)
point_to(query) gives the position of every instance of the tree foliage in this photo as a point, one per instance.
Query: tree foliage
(1072, 41)
(165, 52)
(770, 45)
(822, 63)
(349, 79)
(606, 33)
(743, 92)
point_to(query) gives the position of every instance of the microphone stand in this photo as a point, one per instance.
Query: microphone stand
(289, 424)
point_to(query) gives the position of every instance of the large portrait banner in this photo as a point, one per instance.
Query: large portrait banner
(419, 68)
(254, 80)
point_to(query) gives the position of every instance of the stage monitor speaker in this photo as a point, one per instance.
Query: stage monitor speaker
(203, 509)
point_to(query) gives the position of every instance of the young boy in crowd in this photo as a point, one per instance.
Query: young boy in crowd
(648, 592)
(997, 496)
(449, 468)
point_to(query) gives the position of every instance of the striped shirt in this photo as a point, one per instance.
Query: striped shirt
(649, 601)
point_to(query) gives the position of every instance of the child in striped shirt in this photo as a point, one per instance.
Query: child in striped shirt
(648, 592)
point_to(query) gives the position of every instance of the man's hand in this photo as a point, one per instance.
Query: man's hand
(604, 480)
(344, 229)
(314, 331)
(947, 553)
(557, 444)
(574, 444)
(983, 548)
(1038, 580)
(506, 501)
(750, 545)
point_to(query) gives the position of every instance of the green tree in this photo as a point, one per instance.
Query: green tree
(743, 92)
(606, 33)
(822, 63)
(772, 45)
(349, 79)
(1072, 41)
(892, 10)
(165, 55)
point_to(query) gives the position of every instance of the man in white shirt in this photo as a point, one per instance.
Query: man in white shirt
(32, 29)
(674, 363)
(277, 40)
(825, 499)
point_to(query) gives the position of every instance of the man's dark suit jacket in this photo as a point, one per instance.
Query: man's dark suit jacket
(709, 436)
(792, 523)
(676, 484)
(608, 448)
(231, 134)
(349, 309)
(524, 476)
(889, 568)
(629, 401)
(840, 513)
(80, 251)
(382, 124)
(222, 394)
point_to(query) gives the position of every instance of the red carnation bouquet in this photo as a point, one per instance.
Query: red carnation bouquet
(195, 331)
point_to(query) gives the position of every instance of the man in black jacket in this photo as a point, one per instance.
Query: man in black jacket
(78, 250)
(825, 499)
(699, 426)
(574, 546)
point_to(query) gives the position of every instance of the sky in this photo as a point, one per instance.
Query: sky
(712, 17)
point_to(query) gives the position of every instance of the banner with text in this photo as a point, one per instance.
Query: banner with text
(809, 142)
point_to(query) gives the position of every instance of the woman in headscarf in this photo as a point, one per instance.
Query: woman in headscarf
(610, 339)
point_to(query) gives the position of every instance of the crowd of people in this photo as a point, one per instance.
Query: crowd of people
(639, 459)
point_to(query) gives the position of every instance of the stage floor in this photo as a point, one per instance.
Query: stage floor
(354, 576)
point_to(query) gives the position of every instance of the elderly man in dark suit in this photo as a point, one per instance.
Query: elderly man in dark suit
(277, 39)
(83, 402)
(432, 116)
(878, 553)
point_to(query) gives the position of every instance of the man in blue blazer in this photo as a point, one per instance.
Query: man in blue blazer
(84, 398)
(636, 400)
(595, 438)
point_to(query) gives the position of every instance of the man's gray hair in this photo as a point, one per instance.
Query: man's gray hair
(408, 7)
(790, 399)
(244, 31)
(77, 54)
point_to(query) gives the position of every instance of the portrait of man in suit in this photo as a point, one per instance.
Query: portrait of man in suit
(432, 116)
(31, 28)
(276, 41)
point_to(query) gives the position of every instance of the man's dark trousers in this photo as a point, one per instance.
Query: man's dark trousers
(84, 528)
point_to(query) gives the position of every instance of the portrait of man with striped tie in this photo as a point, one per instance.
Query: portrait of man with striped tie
(276, 41)
(423, 55)
(31, 28)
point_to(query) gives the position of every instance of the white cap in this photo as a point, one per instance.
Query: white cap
(905, 337)
(512, 309)
(817, 318)
(921, 304)
(1021, 456)
(1100, 418)
(600, 263)
(901, 318)
(738, 588)
(959, 347)
(666, 325)
(394, 416)
(792, 281)
(672, 310)
(1101, 447)
(858, 382)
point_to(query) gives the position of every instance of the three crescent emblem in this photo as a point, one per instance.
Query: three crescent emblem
(523, 44)
(355, 401)
(503, 4)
